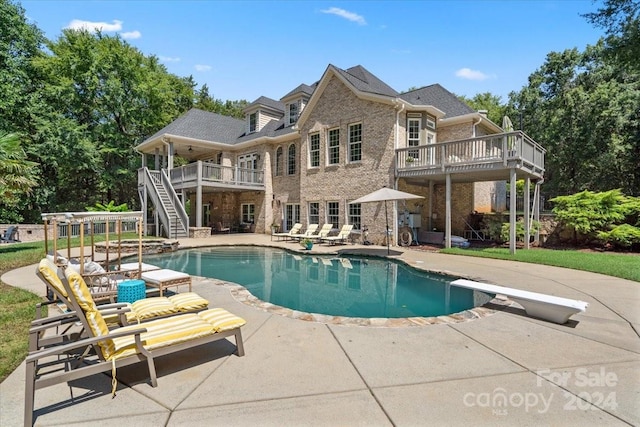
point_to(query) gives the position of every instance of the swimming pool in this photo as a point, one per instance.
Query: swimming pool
(341, 286)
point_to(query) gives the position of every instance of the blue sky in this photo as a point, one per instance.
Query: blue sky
(243, 50)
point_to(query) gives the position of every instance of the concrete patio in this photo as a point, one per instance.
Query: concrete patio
(503, 369)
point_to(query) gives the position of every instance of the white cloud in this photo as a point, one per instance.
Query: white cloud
(169, 58)
(469, 74)
(78, 24)
(131, 34)
(200, 67)
(350, 16)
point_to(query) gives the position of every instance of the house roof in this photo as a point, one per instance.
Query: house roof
(266, 102)
(364, 81)
(303, 88)
(272, 129)
(204, 125)
(440, 98)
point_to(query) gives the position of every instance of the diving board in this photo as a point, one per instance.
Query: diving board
(546, 307)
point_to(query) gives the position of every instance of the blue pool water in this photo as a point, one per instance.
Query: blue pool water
(344, 286)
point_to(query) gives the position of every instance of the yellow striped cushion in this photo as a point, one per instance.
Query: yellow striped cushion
(50, 272)
(81, 294)
(221, 319)
(189, 301)
(161, 333)
(148, 308)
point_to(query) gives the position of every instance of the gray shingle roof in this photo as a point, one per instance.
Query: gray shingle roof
(303, 88)
(271, 129)
(199, 124)
(267, 102)
(364, 81)
(440, 98)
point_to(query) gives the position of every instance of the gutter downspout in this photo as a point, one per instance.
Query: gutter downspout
(474, 127)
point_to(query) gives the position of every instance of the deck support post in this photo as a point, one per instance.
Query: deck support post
(430, 222)
(199, 195)
(536, 210)
(447, 233)
(527, 218)
(512, 211)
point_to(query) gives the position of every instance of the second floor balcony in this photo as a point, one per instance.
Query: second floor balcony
(483, 158)
(214, 175)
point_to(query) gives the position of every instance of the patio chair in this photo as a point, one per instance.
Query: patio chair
(219, 228)
(341, 237)
(122, 346)
(294, 232)
(10, 235)
(324, 232)
(308, 233)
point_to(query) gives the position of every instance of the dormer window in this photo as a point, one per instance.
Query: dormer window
(292, 110)
(253, 120)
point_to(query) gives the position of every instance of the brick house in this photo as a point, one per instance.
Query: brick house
(303, 158)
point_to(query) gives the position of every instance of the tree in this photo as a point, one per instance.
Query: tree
(621, 21)
(206, 102)
(491, 103)
(585, 110)
(17, 175)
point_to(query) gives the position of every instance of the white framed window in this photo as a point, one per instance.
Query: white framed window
(247, 166)
(314, 150)
(355, 142)
(333, 146)
(248, 213)
(431, 123)
(279, 156)
(291, 160)
(293, 110)
(253, 122)
(314, 213)
(413, 136)
(355, 216)
(333, 213)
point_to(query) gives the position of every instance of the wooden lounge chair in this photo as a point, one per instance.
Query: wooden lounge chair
(341, 237)
(546, 307)
(294, 232)
(120, 347)
(324, 232)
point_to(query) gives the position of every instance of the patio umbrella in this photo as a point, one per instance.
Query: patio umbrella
(383, 195)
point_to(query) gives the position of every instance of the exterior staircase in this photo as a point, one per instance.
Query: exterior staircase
(155, 186)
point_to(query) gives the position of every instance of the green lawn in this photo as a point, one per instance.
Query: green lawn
(626, 266)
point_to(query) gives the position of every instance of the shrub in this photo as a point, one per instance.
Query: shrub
(624, 235)
(504, 233)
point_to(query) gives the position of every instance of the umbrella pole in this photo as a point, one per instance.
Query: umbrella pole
(386, 218)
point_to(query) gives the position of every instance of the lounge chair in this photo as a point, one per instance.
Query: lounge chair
(308, 233)
(294, 232)
(324, 232)
(124, 313)
(11, 235)
(120, 347)
(341, 237)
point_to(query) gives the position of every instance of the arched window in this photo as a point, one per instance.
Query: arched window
(279, 161)
(291, 161)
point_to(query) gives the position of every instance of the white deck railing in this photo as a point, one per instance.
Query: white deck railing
(218, 175)
(498, 148)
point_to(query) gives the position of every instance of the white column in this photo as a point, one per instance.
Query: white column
(447, 220)
(512, 211)
(199, 195)
(536, 210)
(431, 188)
(527, 221)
